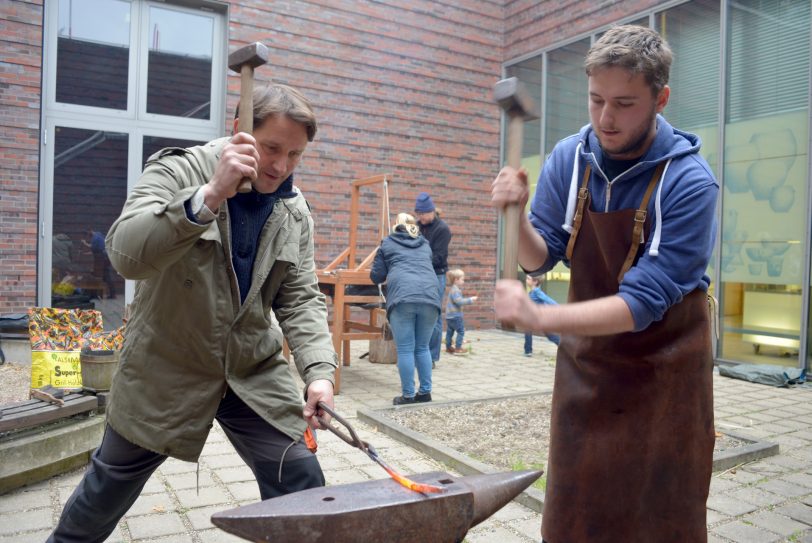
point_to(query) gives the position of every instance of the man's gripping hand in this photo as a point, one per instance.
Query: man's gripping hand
(510, 187)
(320, 390)
(238, 159)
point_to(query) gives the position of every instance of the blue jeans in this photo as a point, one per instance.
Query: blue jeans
(454, 324)
(412, 325)
(437, 333)
(528, 341)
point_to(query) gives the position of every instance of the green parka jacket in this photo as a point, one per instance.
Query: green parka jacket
(188, 337)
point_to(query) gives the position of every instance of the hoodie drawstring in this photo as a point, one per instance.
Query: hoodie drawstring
(654, 250)
(568, 218)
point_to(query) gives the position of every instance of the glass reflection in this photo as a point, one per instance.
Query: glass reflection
(764, 213)
(153, 144)
(180, 63)
(567, 91)
(93, 59)
(90, 186)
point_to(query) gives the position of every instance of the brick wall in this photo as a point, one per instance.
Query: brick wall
(531, 25)
(399, 87)
(20, 61)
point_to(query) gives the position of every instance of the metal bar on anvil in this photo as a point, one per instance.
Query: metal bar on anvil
(380, 510)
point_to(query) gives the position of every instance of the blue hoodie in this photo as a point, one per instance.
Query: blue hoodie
(682, 213)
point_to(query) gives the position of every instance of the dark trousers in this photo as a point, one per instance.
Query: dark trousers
(437, 335)
(119, 470)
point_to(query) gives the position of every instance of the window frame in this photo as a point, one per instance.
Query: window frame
(134, 121)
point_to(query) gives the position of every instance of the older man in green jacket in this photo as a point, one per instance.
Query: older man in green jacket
(222, 277)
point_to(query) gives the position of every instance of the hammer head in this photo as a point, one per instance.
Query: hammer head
(512, 97)
(255, 54)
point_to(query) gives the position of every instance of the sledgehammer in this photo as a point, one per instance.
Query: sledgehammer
(243, 61)
(518, 106)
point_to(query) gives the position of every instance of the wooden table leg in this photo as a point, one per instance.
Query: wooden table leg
(338, 329)
(345, 347)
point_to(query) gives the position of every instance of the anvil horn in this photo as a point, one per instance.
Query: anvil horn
(380, 510)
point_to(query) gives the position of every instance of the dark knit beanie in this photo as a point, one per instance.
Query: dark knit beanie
(423, 203)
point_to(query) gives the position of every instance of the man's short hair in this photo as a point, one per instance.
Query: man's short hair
(638, 49)
(278, 99)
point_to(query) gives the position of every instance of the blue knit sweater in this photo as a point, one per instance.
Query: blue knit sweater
(248, 212)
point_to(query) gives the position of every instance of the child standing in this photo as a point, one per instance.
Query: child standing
(453, 311)
(540, 297)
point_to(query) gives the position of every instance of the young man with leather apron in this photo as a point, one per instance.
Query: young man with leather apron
(629, 205)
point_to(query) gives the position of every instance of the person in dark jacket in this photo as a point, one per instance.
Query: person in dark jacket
(436, 231)
(413, 300)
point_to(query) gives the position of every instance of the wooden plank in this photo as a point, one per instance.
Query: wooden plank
(35, 412)
(33, 404)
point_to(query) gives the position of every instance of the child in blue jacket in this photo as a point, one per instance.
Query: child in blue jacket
(540, 297)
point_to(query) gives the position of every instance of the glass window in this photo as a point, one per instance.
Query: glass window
(93, 155)
(528, 72)
(764, 212)
(809, 329)
(565, 112)
(692, 31)
(93, 59)
(153, 144)
(567, 92)
(90, 166)
(180, 63)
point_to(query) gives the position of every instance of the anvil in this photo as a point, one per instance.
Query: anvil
(380, 510)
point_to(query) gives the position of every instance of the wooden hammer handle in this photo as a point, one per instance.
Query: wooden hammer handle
(245, 122)
(511, 214)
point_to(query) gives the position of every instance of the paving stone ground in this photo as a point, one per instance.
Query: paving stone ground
(763, 501)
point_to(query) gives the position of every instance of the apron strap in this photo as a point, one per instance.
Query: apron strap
(583, 194)
(640, 221)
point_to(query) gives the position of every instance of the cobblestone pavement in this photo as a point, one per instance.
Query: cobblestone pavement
(763, 501)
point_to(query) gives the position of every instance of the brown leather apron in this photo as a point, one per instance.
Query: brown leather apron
(631, 441)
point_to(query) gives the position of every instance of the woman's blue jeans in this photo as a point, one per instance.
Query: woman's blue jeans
(412, 325)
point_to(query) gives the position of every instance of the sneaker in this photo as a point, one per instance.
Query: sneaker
(528, 354)
(420, 398)
(434, 364)
(402, 400)
(450, 350)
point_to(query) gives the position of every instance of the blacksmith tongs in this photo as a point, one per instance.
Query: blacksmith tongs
(370, 451)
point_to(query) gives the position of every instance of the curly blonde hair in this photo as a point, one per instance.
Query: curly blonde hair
(406, 223)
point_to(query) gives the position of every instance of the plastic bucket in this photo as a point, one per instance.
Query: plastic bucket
(98, 368)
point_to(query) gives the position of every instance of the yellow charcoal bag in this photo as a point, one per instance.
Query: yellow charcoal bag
(60, 369)
(56, 337)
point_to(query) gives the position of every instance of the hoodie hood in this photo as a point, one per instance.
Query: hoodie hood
(402, 238)
(669, 143)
